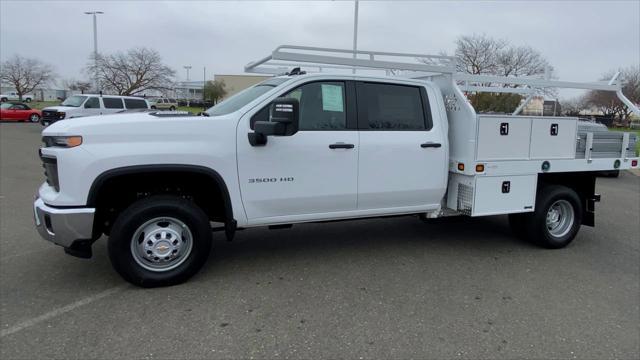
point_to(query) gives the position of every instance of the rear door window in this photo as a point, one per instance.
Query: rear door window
(391, 107)
(135, 103)
(112, 103)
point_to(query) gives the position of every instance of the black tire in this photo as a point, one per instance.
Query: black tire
(536, 226)
(172, 108)
(27, 100)
(153, 108)
(3, 100)
(34, 118)
(141, 212)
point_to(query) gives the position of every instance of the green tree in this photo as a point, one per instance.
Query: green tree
(492, 102)
(214, 91)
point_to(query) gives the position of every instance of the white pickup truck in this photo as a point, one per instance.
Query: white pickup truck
(317, 147)
(13, 96)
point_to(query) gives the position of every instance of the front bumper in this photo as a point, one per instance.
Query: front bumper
(65, 226)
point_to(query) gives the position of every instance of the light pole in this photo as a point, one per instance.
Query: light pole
(95, 43)
(187, 67)
(355, 32)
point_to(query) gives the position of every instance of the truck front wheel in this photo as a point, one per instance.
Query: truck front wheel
(557, 217)
(160, 241)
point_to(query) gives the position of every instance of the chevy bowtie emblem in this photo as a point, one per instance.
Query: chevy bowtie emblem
(163, 247)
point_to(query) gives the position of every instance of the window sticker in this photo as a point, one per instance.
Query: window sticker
(332, 98)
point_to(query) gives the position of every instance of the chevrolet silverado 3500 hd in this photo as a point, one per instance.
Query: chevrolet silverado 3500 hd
(318, 147)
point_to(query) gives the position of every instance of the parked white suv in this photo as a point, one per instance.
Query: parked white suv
(91, 104)
(13, 96)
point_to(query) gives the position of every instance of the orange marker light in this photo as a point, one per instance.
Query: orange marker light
(460, 167)
(480, 168)
(73, 141)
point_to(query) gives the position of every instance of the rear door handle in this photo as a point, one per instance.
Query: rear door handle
(341, 146)
(430, 145)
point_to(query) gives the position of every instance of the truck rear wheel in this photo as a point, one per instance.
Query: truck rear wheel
(160, 241)
(557, 218)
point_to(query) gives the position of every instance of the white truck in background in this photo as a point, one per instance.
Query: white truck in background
(13, 96)
(319, 147)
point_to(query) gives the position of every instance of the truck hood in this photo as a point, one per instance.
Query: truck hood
(60, 108)
(120, 127)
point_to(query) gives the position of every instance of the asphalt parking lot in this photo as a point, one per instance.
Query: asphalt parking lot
(391, 288)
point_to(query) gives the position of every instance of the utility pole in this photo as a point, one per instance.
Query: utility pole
(204, 85)
(187, 67)
(95, 43)
(355, 32)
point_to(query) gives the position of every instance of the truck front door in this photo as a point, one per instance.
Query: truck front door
(403, 161)
(310, 174)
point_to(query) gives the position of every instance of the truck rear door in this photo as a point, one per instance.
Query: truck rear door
(402, 158)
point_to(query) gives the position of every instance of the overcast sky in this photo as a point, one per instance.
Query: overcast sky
(581, 39)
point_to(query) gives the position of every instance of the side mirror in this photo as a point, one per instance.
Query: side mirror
(283, 121)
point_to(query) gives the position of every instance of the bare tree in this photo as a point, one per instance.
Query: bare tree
(132, 72)
(478, 54)
(76, 85)
(25, 74)
(608, 103)
(574, 106)
(521, 61)
(483, 55)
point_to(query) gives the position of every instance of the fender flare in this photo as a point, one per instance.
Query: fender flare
(100, 180)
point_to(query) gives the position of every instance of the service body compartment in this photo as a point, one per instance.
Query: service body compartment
(503, 138)
(476, 195)
(504, 194)
(553, 138)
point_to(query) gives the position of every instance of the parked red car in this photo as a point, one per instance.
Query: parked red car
(18, 112)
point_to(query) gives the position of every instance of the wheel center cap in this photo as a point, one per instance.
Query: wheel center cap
(162, 248)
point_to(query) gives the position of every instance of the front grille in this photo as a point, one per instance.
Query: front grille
(50, 166)
(49, 115)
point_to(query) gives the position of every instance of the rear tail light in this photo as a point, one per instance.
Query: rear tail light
(634, 163)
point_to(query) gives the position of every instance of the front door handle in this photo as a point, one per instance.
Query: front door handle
(430, 145)
(341, 146)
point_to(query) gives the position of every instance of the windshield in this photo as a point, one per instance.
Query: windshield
(6, 105)
(74, 101)
(244, 97)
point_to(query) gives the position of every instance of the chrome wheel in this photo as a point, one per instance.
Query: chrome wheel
(34, 118)
(560, 218)
(161, 244)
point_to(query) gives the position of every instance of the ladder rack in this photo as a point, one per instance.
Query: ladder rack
(417, 66)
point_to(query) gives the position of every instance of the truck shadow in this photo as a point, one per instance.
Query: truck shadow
(368, 237)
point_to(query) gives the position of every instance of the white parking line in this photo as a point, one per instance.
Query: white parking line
(59, 311)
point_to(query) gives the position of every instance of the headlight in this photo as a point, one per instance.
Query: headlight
(60, 115)
(62, 141)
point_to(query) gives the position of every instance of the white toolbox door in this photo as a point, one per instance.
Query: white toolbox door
(503, 138)
(553, 138)
(504, 194)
